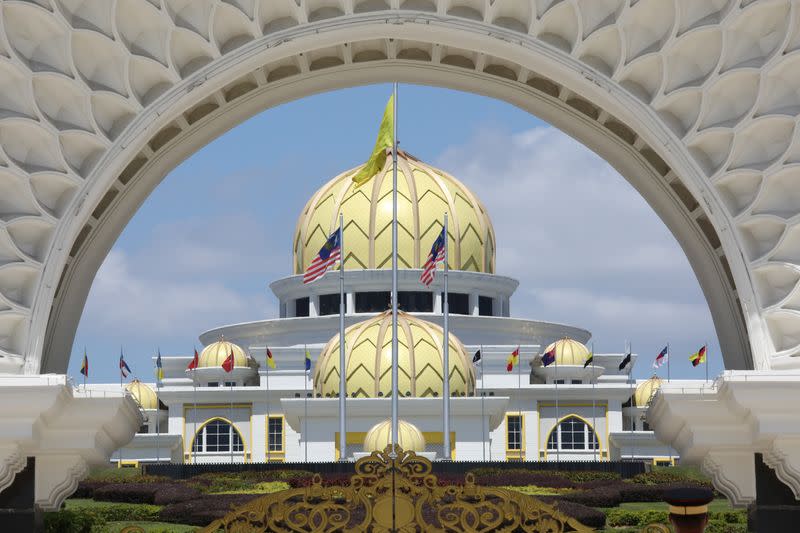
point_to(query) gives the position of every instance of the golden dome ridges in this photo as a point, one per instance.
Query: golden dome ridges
(569, 351)
(424, 195)
(215, 353)
(368, 360)
(144, 394)
(409, 437)
(645, 391)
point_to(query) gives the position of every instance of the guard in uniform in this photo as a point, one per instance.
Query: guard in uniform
(688, 509)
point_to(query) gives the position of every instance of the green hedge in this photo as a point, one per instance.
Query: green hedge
(82, 519)
(724, 522)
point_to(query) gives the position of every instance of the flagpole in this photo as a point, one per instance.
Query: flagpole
(395, 377)
(194, 409)
(446, 355)
(230, 406)
(158, 414)
(342, 367)
(558, 418)
(305, 404)
(519, 399)
(266, 360)
(594, 409)
(630, 381)
(483, 412)
(706, 345)
(669, 356)
(119, 464)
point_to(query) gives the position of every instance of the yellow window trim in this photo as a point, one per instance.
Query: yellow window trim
(127, 463)
(521, 451)
(573, 415)
(190, 406)
(603, 451)
(670, 460)
(275, 456)
(236, 429)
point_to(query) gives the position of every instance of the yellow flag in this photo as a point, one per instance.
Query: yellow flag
(378, 158)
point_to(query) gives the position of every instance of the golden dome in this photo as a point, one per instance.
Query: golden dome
(409, 437)
(369, 360)
(215, 353)
(569, 352)
(424, 195)
(646, 390)
(144, 395)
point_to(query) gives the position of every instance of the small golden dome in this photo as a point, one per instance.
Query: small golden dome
(424, 195)
(569, 352)
(369, 360)
(144, 395)
(215, 353)
(409, 437)
(646, 390)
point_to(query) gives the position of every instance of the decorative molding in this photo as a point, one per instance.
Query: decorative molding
(57, 476)
(12, 462)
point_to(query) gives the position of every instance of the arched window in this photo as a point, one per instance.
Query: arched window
(572, 433)
(216, 436)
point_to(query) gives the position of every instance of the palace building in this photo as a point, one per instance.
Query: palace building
(563, 411)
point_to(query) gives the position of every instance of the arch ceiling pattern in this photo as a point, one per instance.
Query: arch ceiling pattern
(94, 93)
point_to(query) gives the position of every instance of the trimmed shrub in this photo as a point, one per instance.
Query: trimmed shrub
(86, 488)
(203, 511)
(674, 474)
(625, 517)
(175, 494)
(717, 526)
(585, 515)
(123, 512)
(128, 492)
(328, 480)
(588, 476)
(632, 492)
(520, 478)
(71, 522)
(599, 497)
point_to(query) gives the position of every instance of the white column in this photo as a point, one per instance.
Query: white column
(473, 304)
(313, 305)
(351, 302)
(437, 302)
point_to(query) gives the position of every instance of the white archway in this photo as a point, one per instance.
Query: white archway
(694, 102)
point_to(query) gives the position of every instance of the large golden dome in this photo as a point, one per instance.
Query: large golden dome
(215, 353)
(569, 351)
(144, 394)
(368, 359)
(424, 194)
(409, 437)
(646, 390)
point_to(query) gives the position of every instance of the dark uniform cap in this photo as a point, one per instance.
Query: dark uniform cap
(688, 501)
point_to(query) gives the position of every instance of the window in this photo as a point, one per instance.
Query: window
(216, 436)
(301, 306)
(372, 302)
(230, 383)
(415, 301)
(275, 432)
(558, 381)
(576, 381)
(143, 429)
(213, 383)
(457, 302)
(645, 426)
(573, 434)
(329, 304)
(514, 432)
(485, 306)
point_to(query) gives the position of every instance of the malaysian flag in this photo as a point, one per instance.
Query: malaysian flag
(662, 357)
(436, 256)
(328, 255)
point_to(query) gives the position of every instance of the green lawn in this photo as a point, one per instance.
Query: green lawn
(266, 487)
(76, 504)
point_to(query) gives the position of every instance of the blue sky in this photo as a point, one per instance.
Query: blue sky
(203, 248)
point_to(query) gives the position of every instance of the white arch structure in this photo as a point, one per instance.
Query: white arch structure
(695, 102)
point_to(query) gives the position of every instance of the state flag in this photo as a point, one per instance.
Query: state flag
(698, 357)
(549, 357)
(625, 361)
(270, 359)
(159, 367)
(513, 360)
(85, 364)
(194, 362)
(476, 358)
(228, 363)
(662, 357)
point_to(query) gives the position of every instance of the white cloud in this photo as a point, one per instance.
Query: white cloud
(135, 302)
(586, 247)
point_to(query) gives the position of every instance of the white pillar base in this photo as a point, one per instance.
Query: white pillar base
(66, 429)
(720, 425)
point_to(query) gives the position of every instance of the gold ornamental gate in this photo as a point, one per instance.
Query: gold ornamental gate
(395, 494)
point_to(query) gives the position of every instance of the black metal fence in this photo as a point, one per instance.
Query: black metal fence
(626, 469)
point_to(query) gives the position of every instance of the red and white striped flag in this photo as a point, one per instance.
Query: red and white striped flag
(327, 257)
(434, 257)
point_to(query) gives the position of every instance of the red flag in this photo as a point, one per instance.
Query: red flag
(195, 361)
(228, 363)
